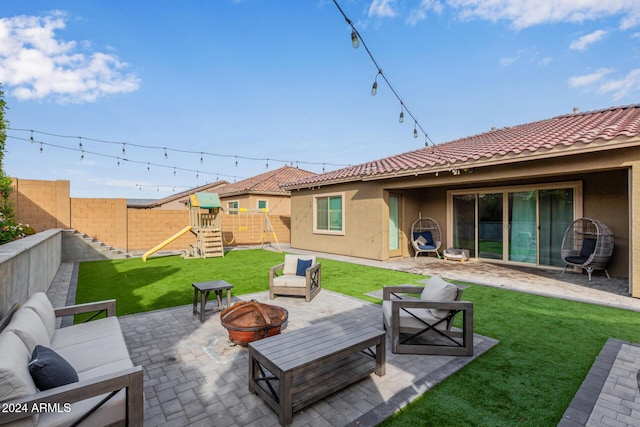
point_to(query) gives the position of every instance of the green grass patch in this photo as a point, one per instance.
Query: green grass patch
(164, 282)
(546, 345)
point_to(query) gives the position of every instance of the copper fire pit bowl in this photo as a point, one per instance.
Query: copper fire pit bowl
(249, 321)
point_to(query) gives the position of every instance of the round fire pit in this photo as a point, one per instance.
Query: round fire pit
(249, 321)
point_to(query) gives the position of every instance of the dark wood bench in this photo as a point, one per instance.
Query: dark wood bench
(297, 368)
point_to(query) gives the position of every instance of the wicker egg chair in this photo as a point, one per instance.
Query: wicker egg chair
(587, 243)
(426, 236)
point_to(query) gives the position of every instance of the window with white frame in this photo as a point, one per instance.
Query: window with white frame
(262, 204)
(328, 213)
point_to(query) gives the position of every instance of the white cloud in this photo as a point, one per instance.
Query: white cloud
(505, 62)
(618, 88)
(589, 79)
(545, 61)
(629, 85)
(34, 64)
(527, 13)
(382, 8)
(586, 40)
(419, 14)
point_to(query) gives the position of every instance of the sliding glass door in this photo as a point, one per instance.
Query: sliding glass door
(521, 225)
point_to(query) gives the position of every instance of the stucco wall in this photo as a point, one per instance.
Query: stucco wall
(42, 204)
(104, 219)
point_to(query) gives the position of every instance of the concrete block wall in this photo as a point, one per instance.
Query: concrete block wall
(149, 227)
(104, 219)
(46, 205)
(28, 266)
(42, 204)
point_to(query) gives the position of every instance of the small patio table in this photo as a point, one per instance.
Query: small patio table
(204, 289)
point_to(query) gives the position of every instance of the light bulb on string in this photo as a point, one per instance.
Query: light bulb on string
(148, 167)
(374, 88)
(267, 166)
(197, 174)
(355, 41)
(401, 118)
(415, 130)
(118, 161)
(323, 168)
(201, 158)
(174, 171)
(31, 138)
(41, 149)
(80, 144)
(166, 156)
(82, 155)
(124, 152)
(236, 161)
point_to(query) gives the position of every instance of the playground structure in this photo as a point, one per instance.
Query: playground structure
(206, 224)
(249, 226)
(205, 219)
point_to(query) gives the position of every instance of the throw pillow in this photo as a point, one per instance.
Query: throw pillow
(49, 370)
(303, 264)
(421, 240)
(438, 289)
(428, 237)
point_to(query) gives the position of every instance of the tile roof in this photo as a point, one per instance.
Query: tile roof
(151, 203)
(266, 183)
(515, 143)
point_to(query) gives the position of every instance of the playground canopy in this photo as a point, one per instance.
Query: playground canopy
(205, 200)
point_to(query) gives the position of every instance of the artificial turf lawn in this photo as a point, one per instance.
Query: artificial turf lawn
(546, 345)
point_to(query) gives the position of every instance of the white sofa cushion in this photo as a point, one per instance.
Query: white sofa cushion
(84, 332)
(27, 325)
(290, 281)
(407, 321)
(39, 302)
(438, 289)
(291, 263)
(15, 380)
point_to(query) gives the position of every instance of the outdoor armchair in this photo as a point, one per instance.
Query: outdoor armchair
(423, 325)
(298, 275)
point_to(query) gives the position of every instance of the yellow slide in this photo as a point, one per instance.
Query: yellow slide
(165, 243)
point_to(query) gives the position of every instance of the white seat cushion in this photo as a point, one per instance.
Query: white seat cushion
(291, 281)
(39, 303)
(85, 332)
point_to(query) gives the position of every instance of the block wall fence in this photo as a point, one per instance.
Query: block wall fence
(47, 204)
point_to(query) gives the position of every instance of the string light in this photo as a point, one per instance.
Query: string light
(356, 40)
(166, 156)
(401, 118)
(118, 161)
(124, 152)
(236, 161)
(31, 138)
(374, 88)
(148, 167)
(168, 149)
(174, 171)
(415, 130)
(41, 150)
(267, 166)
(82, 155)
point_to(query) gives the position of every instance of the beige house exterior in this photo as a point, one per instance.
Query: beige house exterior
(480, 188)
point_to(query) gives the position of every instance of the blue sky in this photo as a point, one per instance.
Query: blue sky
(279, 80)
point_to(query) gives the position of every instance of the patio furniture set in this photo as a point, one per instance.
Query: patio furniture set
(85, 369)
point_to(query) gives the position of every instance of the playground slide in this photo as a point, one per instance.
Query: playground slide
(165, 243)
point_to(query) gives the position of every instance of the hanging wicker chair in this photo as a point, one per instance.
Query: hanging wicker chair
(426, 236)
(588, 244)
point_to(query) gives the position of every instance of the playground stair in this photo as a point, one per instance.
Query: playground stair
(209, 243)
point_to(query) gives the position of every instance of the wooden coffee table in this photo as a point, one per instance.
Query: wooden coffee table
(296, 368)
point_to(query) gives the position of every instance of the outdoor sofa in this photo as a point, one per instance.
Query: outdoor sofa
(96, 350)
